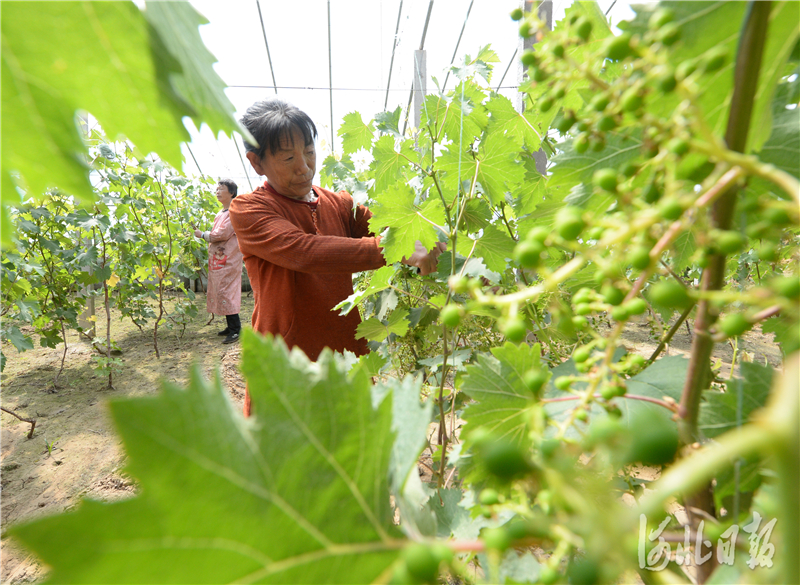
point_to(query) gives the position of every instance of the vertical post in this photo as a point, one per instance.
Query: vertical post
(330, 75)
(420, 84)
(544, 10)
(85, 320)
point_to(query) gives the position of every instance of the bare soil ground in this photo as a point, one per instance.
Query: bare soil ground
(75, 452)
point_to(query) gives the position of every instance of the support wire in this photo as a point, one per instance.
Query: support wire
(266, 44)
(455, 52)
(241, 158)
(394, 47)
(330, 73)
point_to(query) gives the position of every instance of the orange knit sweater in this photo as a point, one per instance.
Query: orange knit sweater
(301, 266)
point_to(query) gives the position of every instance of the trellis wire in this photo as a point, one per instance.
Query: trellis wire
(266, 44)
(458, 42)
(394, 47)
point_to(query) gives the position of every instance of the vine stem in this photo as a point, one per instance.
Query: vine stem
(32, 422)
(667, 405)
(746, 73)
(671, 333)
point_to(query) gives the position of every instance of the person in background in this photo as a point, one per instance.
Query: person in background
(302, 243)
(224, 295)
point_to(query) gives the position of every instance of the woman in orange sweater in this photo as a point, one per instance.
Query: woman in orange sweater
(301, 243)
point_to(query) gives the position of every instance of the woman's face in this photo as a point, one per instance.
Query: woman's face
(224, 196)
(291, 169)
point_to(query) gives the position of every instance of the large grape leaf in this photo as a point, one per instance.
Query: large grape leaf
(783, 147)
(572, 168)
(502, 400)
(460, 117)
(532, 191)
(296, 494)
(374, 329)
(665, 377)
(785, 334)
(495, 246)
(723, 411)
(193, 80)
(495, 166)
(410, 420)
(380, 279)
(707, 25)
(522, 127)
(355, 133)
(396, 210)
(110, 59)
(390, 166)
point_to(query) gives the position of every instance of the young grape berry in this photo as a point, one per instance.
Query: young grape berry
(733, 325)
(450, 315)
(569, 222)
(606, 179)
(515, 330)
(670, 294)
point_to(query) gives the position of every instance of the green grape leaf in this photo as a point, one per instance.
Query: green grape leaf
(519, 567)
(18, 339)
(786, 333)
(450, 515)
(664, 377)
(451, 509)
(782, 36)
(591, 11)
(62, 57)
(380, 279)
(355, 133)
(506, 120)
(496, 384)
(389, 122)
(461, 118)
(372, 363)
(718, 25)
(477, 66)
(531, 193)
(225, 499)
(476, 215)
(374, 329)
(495, 247)
(729, 482)
(396, 210)
(410, 419)
(682, 250)
(390, 166)
(495, 167)
(783, 147)
(724, 411)
(455, 360)
(195, 81)
(28, 309)
(571, 168)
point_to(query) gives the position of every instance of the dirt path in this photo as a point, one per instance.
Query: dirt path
(75, 452)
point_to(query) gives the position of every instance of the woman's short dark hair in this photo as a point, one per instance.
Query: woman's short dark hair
(230, 185)
(270, 120)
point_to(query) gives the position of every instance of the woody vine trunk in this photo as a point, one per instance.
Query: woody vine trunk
(746, 72)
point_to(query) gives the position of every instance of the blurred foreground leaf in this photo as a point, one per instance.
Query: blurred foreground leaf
(296, 494)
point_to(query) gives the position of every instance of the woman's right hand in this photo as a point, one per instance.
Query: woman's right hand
(198, 233)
